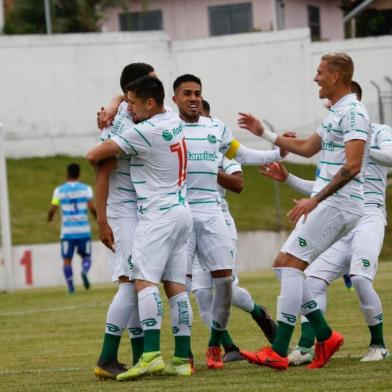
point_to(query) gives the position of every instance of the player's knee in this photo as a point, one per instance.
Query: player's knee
(317, 286)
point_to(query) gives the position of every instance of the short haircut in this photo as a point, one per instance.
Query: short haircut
(356, 89)
(342, 63)
(73, 170)
(185, 78)
(132, 72)
(206, 106)
(148, 87)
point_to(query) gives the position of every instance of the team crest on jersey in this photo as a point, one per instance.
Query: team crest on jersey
(211, 139)
(167, 135)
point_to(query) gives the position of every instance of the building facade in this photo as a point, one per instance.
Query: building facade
(192, 19)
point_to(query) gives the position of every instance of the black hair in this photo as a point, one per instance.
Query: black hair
(73, 170)
(356, 89)
(185, 78)
(132, 72)
(148, 87)
(206, 106)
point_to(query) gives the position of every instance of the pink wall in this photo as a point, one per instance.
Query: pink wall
(188, 19)
(296, 15)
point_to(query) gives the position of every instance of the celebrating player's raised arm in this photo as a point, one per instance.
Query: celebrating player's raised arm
(304, 147)
(105, 150)
(278, 172)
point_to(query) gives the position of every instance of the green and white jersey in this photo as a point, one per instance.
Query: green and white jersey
(346, 120)
(205, 140)
(228, 166)
(159, 170)
(121, 201)
(375, 174)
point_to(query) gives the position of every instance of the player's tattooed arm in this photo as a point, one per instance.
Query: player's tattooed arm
(352, 167)
(341, 178)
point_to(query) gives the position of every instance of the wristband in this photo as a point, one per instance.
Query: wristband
(269, 136)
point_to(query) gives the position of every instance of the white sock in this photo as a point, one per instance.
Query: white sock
(309, 304)
(181, 314)
(221, 302)
(370, 302)
(319, 289)
(242, 299)
(150, 308)
(134, 327)
(123, 305)
(290, 299)
(204, 303)
(188, 284)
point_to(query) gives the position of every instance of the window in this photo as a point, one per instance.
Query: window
(230, 19)
(314, 22)
(141, 21)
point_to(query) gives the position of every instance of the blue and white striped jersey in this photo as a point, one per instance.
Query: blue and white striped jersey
(73, 197)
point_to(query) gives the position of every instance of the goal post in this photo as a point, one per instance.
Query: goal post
(7, 280)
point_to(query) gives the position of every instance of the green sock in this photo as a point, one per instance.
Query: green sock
(109, 348)
(319, 325)
(307, 335)
(282, 338)
(377, 336)
(182, 346)
(215, 337)
(226, 339)
(152, 338)
(137, 345)
(257, 312)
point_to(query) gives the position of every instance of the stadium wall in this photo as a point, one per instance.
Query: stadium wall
(41, 265)
(53, 85)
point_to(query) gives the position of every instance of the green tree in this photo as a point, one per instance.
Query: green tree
(68, 16)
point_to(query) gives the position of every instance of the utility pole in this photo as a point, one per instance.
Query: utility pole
(48, 18)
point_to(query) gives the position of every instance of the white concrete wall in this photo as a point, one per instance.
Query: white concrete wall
(256, 250)
(52, 86)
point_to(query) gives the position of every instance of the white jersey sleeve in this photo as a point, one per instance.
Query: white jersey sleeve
(135, 141)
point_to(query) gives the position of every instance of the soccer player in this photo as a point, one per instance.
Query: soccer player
(210, 240)
(356, 254)
(229, 177)
(335, 208)
(159, 249)
(75, 199)
(117, 219)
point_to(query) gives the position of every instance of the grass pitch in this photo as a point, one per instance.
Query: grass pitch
(50, 342)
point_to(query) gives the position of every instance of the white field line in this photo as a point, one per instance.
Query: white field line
(46, 310)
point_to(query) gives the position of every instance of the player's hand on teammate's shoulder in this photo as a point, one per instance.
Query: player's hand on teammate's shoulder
(251, 123)
(105, 117)
(303, 207)
(275, 170)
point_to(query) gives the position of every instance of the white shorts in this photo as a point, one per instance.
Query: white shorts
(324, 226)
(202, 279)
(159, 252)
(356, 253)
(211, 242)
(230, 225)
(123, 232)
